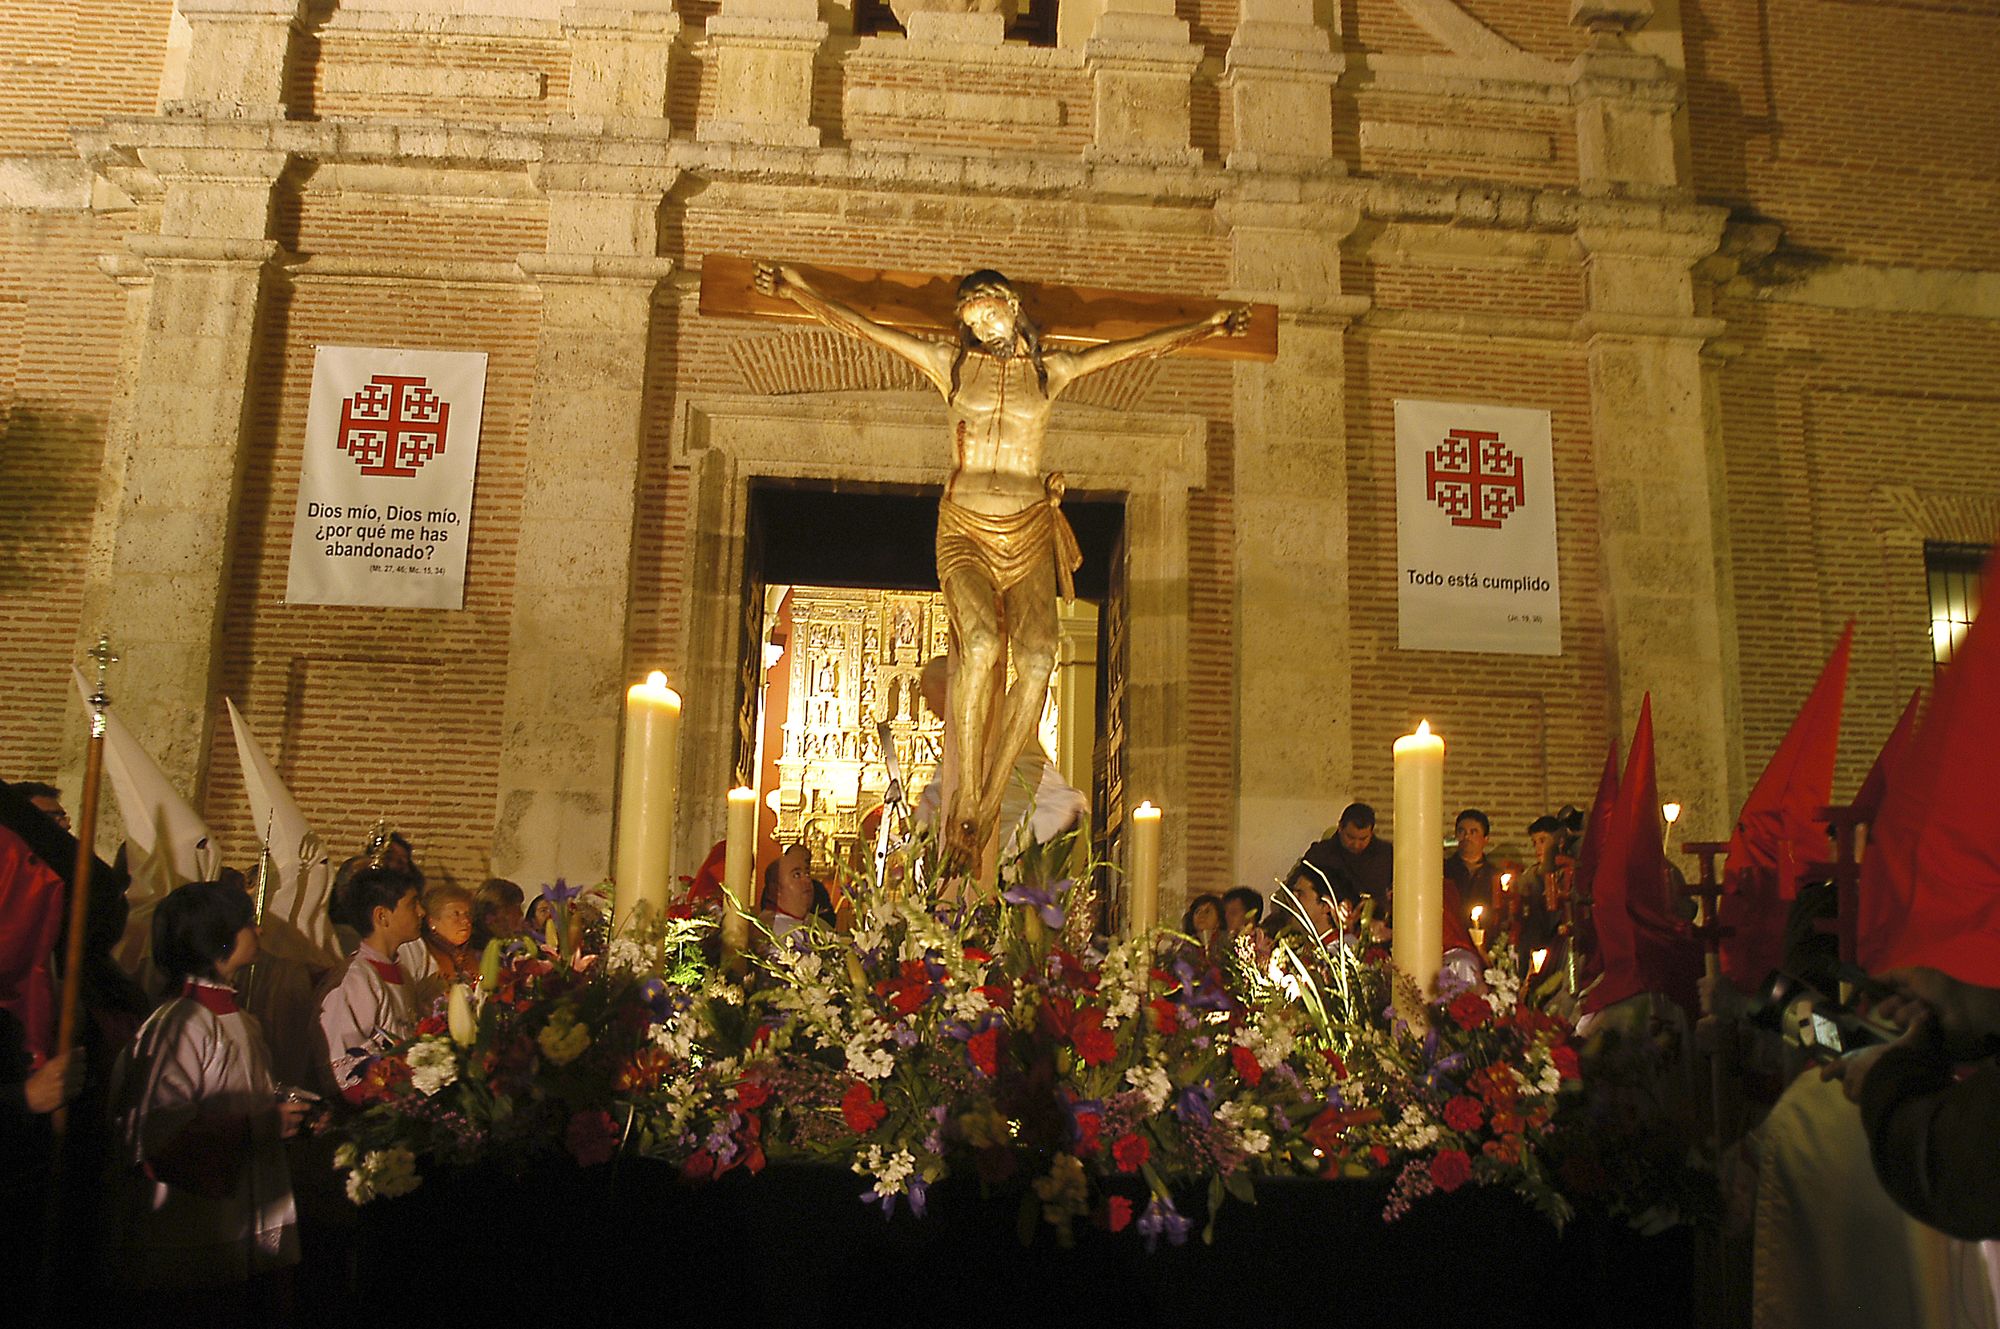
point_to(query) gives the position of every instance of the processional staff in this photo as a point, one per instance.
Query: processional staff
(79, 896)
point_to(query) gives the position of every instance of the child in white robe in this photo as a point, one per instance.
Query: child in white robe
(202, 1198)
(371, 1004)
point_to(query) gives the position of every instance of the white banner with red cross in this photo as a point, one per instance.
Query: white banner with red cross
(1476, 530)
(385, 490)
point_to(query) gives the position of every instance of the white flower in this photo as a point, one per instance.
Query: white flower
(891, 1171)
(1241, 1118)
(433, 1065)
(966, 1005)
(344, 1157)
(625, 956)
(866, 1056)
(1153, 1083)
(384, 1174)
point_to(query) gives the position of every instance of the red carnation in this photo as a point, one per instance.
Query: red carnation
(1379, 1154)
(1470, 1010)
(1463, 1114)
(592, 1138)
(1000, 995)
(861, 1110)
(978, 955)
(751, 1095)
(1130, 1150)
(433, 1026)
(1450, 1170)
(1564, 1058)
(1089, 1132)
(1117, 1213)
(700, 1166)
(1333, 1059)
(1093, 1041)
(1166, 1016)
(984, 1049)
(1247, 1068)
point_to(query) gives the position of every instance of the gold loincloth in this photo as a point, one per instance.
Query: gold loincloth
(1007, 549)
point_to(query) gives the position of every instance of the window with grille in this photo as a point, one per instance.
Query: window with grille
(1034, 21)
(1954, 585)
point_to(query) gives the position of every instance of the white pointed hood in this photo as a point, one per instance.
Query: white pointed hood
(295, 907)
(154, 811)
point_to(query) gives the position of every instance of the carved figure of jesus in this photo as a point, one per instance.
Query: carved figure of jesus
(1003, 545)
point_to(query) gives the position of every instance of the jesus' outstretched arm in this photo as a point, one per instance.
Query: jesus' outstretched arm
(931, 359)
(1065, 367)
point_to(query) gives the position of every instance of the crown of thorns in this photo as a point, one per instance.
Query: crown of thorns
(988, 285)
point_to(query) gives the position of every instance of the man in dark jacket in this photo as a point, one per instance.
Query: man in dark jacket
(1931, 1129)
(1355, 862)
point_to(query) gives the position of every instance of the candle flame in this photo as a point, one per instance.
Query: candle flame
(1539, 957)
(1423, 729)
(742, 794)
(1477, 910)
(1506, 880)
(1671, 811)
(656, 680)
(1145, 810)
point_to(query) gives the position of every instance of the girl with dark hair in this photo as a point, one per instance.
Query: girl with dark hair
(204, 1199)
(371, 1005)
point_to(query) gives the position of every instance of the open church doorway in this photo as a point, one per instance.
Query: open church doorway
(841, 611)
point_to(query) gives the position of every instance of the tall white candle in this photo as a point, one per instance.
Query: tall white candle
(643, 865)
(1417, 909)
(738, 861)
(1145, 869)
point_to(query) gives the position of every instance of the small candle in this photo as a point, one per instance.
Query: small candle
(1478, 932)
(1417, 901)
(738, 859)
(643, 862)
(1145, 869)
(1538, 959)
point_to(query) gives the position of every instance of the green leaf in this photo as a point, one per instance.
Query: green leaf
(1028, 1218)
(1239, 1187)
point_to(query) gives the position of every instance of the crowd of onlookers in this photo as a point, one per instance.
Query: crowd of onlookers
(1348, 877)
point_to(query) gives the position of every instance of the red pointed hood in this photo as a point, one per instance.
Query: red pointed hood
(1875, 785)
(1598, 829)
(1779, 832)
(1930, 883)
(1645, 945)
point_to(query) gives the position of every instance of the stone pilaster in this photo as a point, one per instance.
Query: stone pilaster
(1141, 66)
(1658, 502)
(764, 52)
(1279, 77)
(618, 60)
(1294, 724)
(1625, 104)
(239, 55)
(182, 449)
(566, 666)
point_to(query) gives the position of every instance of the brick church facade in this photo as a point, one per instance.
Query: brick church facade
(1743, 251)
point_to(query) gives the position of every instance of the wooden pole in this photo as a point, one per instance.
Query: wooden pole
(79, 891)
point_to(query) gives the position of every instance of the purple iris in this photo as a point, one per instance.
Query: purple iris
(1195, 994)
(919, 1197)
(963, 1030)
(658, 998)
(1195, 1104)
(1042, 901)
(1161, 1218)
(561, 893)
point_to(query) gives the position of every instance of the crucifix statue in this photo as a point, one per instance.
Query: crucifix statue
(1004, 547)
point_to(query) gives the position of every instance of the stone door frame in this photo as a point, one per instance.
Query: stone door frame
(726, 442)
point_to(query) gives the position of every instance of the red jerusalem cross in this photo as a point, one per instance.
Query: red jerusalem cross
(1474, 478)
(393, 425)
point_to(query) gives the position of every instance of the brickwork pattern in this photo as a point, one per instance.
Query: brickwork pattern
(1841, 460)
(69, 62)
(60, 322)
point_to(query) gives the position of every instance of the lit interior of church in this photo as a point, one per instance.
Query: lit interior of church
(1125, 661)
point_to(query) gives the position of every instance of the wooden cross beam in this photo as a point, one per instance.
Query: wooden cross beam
(1846, 873)
(922, 303)
(1707, 890)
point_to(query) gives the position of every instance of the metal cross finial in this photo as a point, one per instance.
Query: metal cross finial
(105, 657)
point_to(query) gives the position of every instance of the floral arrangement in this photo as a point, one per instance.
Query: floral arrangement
(995, 1040)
